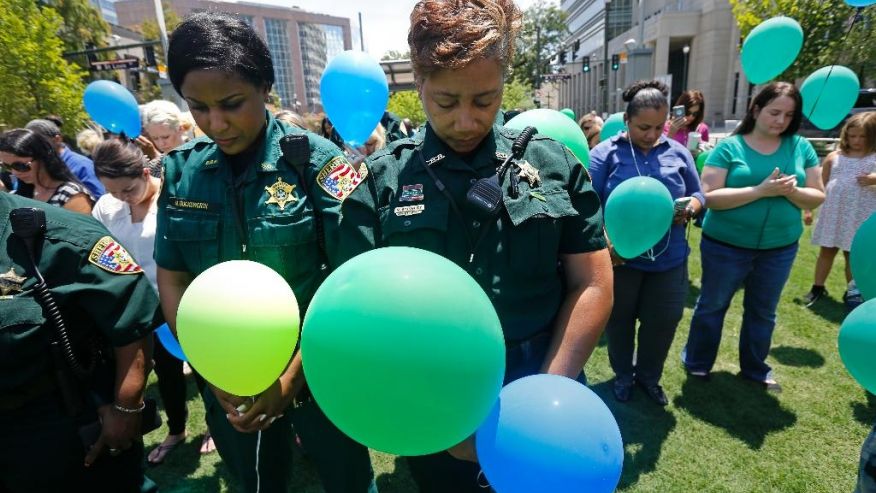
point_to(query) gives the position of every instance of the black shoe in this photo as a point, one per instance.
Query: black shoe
(815, 294)
(853, 299)
(622, 391)
(654, 392)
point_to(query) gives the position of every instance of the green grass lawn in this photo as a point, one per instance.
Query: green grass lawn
(726, 435)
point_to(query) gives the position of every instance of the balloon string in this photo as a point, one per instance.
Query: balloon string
(258, 447)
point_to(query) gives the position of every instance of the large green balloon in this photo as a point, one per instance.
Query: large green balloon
(557, 126)
(828, 95)
(403, 351)
(701, 160)
(614, 124)
(238, 325)
(770, 48)
(637, 214)
(857, 344)
(863, 260)
(568, 112)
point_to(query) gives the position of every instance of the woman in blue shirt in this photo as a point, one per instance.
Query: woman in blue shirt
(652, 287)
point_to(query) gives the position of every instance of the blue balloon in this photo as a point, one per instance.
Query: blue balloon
(550, 433)
(860, 3)
(165, 336)
(354, 94)
(113, 107)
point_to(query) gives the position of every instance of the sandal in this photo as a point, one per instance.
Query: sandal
(207, 445)
(160, 452)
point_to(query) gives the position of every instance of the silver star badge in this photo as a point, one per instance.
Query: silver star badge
(529, 173)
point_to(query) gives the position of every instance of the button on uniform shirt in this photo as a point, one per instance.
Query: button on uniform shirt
(207, 216)
(97, 285)
(517, 262)
(613, 161)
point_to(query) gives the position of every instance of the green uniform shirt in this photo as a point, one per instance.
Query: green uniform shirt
(392, 124)
(769, 222)
(204, 219)
(517, 261)
(98, 287)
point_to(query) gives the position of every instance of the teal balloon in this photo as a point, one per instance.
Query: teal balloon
(113, 107)
(403, 351)
(568, 112)
(862, 259)
(860, 3)
(857, 344)
(828, 95)
(614, 124)
(770, 48)
(557, 126)
(701, 160)
(637, 214)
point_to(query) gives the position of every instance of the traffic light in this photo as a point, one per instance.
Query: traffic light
(563, 57)
(585, 64)
(615, 62)
(575, 46)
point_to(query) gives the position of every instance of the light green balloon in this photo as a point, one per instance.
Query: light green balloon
(770, 48)
(614, 124)
(557, 126)
(857, 344)
(637, 214)
(828, 95)
(238, 323)
(403, 351)
(862, 259)
(568, 112)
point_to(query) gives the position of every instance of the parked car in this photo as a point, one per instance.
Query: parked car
(866, 102)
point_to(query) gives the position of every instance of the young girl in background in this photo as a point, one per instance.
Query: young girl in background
(849, 176)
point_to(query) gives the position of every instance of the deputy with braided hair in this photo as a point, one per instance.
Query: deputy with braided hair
(530, 236)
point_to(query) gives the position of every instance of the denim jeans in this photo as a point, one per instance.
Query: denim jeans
(867, 466)
(763, 274)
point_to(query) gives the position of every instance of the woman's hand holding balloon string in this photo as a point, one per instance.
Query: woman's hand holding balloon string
(776, 185)
(272, 403)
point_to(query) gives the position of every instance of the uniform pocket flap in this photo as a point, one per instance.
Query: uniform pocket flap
(191, 228)
(281, 230)
(539, 203)
(21, 311)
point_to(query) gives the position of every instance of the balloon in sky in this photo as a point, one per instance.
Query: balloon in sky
(828, 95)
(770, 48)
(113, 107)
(354, 94)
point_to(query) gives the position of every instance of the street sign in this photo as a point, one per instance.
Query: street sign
(115, 64)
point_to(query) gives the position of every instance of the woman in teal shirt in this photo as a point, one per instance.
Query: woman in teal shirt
(756, 183)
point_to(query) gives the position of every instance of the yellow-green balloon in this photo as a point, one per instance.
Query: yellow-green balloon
(403, 351)
(238, 325)
(557, 126)
(701, 160)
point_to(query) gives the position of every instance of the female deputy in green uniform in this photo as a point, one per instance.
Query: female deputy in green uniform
(538, 249)
(235, 194)
(68, 284)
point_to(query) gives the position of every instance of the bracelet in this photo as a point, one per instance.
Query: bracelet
(128, 410)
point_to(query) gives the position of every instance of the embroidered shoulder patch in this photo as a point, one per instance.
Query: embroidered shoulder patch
(110, 256)
(338, 178)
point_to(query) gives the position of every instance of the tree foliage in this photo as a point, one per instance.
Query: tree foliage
(825, 24)
(149, 29)
(544, 29)
(406, 104)
(82, 24)
(517, 95)
(37, 80)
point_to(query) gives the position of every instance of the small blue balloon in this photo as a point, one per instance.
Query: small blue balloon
(860, 3)
(354, 94)
(113, 107)
(550, 433)
(165, 336)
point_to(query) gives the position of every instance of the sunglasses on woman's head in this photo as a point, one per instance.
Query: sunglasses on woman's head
(19, 166)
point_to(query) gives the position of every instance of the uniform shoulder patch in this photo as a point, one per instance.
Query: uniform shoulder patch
(111, 256)
(338, 178)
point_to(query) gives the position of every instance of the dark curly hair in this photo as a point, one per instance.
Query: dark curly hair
(214, 41)
(451, 34)
(645, 94)
(27, 143)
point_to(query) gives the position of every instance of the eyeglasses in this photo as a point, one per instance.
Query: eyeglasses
(19, 166)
